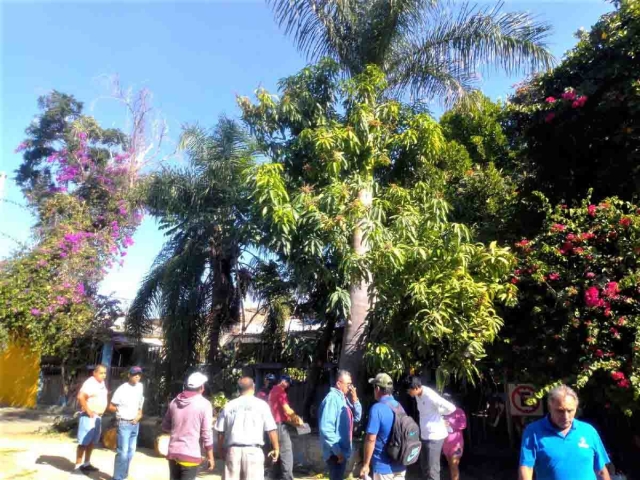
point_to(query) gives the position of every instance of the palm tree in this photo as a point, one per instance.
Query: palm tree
(426, 49)
(196, 283)
(424, 46)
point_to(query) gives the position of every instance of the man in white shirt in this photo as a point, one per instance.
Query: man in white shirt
(433, 430)
(92, 398)
(241, 426)
(127, 404)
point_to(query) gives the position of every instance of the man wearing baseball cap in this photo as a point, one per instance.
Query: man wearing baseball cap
(264, 392)
(127, 404)
(379, 429)
(189, 421)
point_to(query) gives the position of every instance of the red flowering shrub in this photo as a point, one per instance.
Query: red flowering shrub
(578, 319)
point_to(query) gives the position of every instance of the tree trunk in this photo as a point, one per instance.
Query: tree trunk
(354, 338)
(319, 360)
(221, 307)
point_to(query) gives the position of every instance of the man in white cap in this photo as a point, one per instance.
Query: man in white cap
(189, 421)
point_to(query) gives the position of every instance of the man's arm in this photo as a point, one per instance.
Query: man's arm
(525, 473)
(329, 427)
(275, 445)
(369, 446)
(444, 406)
(82, 400)
(603, 474)
(221, 449)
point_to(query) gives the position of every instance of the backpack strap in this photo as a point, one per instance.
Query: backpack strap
(395, 409)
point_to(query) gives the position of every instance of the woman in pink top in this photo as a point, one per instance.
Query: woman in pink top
(454, 443)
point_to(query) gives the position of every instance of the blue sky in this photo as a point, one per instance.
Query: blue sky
(194, 57)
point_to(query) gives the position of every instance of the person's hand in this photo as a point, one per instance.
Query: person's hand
(136, 420)
(91, 413)
(364, 471)
(354, 394)
(274, 455)
(447, 424)
(211, 464)
(340, 458)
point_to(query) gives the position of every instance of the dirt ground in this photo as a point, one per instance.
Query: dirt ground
(27, 451)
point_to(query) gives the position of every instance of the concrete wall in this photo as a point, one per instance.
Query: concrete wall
(19, 372)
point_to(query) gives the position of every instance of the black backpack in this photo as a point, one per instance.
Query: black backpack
(404, 445)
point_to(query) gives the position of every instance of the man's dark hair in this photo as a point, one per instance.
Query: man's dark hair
(412, 382)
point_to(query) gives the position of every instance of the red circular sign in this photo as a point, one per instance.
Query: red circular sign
(517, 399)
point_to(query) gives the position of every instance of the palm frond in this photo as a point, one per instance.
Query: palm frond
(320, 28)
(469, 41)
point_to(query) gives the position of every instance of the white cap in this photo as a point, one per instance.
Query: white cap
(196, 380)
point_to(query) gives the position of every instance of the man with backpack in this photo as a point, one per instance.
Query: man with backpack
(433, 429)
(393, 440)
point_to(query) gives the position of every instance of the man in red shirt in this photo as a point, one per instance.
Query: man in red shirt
(284, 417)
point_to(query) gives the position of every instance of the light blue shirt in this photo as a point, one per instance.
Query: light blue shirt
(335, 425)
(576, 456)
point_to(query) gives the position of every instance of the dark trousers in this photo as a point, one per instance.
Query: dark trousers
(180, 472)
(286, 454)
(336, 470)
(430, 458)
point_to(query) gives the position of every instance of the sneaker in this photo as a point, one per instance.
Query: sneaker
(89, 468)
(77, 473)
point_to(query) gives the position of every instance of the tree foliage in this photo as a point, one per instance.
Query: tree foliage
(577, 126)
(197, 282)
(79, 181)
(328, 140)
(427, 47)
(578, 317)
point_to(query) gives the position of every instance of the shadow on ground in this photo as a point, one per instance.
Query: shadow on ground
(65, 465)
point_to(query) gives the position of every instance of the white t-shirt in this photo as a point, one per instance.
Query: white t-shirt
(96, 393)
(244, 421)
(129, 399)
(432, 408)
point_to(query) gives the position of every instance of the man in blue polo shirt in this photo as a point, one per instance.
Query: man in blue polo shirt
(378, 430)
(559, 447)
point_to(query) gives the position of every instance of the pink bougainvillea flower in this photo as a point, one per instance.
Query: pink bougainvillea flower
(550, 99)
(592, 297)
(611, 289)
(622, 321)
(625, 222)
(599, 353)
(554, 276)
(522, 243)
(569, 95)
(514, 280)
(80, 289)
(624, 383)
(590, 275)
(592, 210)
(35, 312)
(578, 251)
(549, 117)
(566, 249)
(617, 376)
(23, 146)
(558, 227)
(579, 102)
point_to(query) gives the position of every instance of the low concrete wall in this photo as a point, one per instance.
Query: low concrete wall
(307, 450)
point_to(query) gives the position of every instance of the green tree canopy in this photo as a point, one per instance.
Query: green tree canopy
(327, 142)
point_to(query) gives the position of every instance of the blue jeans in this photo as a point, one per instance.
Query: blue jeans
(336, 470)
(127, 441)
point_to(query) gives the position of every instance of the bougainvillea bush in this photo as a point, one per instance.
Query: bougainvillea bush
(80, 183)
(578, 318)
(577, 126)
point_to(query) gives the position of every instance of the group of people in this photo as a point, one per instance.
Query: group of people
(440, 427)
(555, 447)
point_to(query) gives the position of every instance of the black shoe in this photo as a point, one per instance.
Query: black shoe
(89, 468)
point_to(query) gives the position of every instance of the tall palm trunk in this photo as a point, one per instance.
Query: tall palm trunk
(354, 337)
(221, 305)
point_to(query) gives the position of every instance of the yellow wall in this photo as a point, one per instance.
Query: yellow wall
(19, 371)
